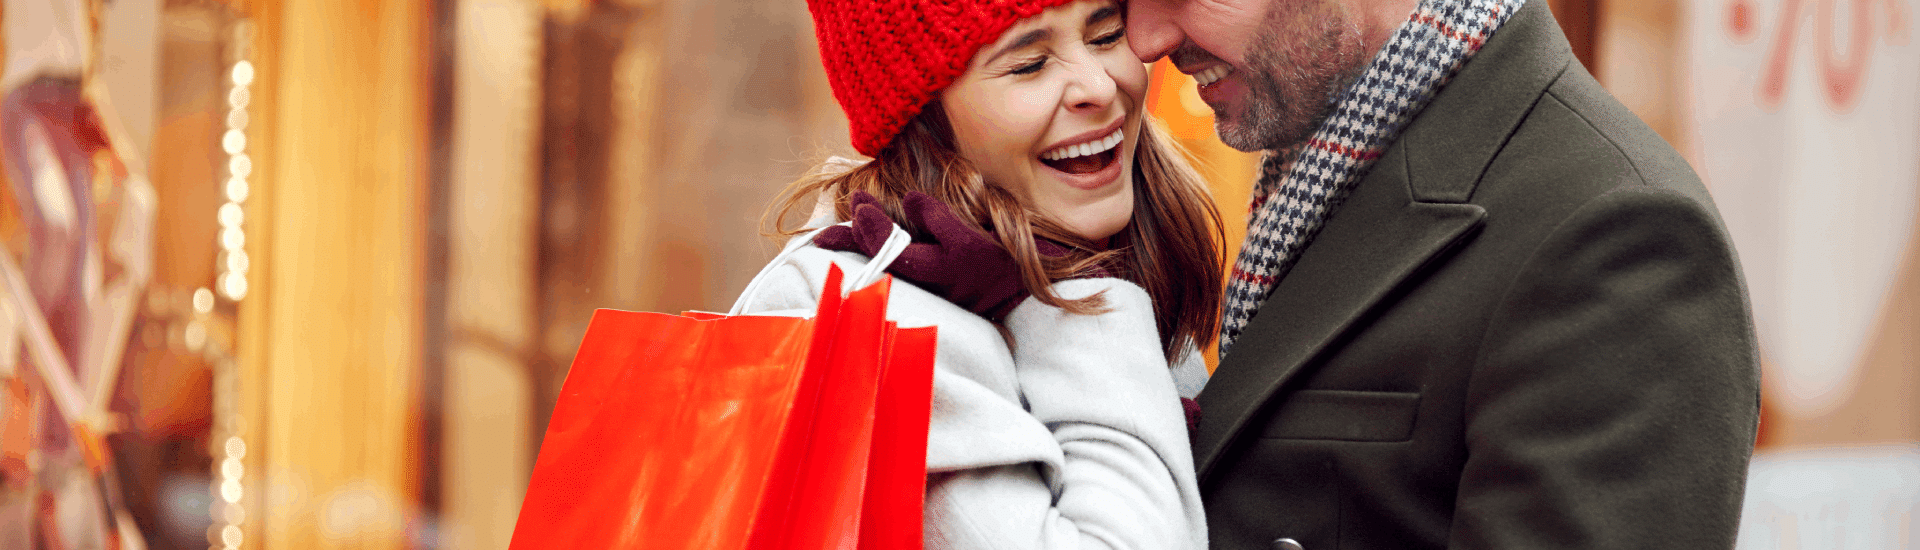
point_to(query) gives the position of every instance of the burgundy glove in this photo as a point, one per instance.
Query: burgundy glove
(1192, 409)
(947, 258)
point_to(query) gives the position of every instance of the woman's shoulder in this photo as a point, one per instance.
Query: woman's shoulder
(797, 277)
(968, 345)
(978, 420)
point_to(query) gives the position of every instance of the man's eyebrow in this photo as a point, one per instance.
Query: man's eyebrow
(1028, 39)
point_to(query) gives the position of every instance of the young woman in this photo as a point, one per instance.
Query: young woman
(1068, 255)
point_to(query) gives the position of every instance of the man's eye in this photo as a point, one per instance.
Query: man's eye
(1031, 67)
(1109, 39)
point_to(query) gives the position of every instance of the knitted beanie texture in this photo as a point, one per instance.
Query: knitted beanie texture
(887, 58)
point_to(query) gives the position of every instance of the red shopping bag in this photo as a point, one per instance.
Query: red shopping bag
(745, 432)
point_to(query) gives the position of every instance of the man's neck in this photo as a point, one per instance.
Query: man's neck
(1379, 19)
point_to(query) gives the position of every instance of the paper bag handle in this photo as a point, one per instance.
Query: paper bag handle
(897, 242)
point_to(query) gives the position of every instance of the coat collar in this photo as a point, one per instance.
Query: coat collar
(1403, 219)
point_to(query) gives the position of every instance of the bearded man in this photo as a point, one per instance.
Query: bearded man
(1480, 304)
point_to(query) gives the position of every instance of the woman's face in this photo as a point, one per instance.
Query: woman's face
(1051, 112)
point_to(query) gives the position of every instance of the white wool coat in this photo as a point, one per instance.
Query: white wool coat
(1072, 439)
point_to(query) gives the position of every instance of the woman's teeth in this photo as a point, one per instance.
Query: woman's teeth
(1088, 148)
(1212, 75)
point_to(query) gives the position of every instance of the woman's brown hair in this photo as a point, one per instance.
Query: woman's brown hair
(1171, 248)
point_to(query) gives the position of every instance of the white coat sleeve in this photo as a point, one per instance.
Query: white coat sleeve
(1101, 386)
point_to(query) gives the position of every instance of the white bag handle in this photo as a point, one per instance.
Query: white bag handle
(896, 243)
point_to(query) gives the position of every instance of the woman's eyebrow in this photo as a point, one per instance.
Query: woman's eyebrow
(1102, 14)
(1028, 39)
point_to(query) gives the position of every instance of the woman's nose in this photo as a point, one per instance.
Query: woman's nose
(1092, 87)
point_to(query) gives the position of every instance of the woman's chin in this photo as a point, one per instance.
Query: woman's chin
(1098, 222)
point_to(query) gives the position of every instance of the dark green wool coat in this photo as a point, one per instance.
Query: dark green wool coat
(1525, 328)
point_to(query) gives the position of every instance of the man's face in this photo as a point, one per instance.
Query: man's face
(1270, 69)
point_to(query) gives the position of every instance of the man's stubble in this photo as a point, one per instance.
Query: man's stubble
(1306, 54)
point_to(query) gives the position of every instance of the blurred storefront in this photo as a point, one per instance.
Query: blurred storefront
(314, 270)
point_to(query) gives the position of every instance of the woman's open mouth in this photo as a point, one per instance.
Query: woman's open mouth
(1086, 158)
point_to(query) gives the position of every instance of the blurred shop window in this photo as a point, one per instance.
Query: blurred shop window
(1863, 497)
(1803, 118)
(611, 154)
(115, 335)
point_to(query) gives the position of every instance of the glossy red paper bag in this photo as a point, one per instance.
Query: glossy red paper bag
(891, 516)
(706, 431)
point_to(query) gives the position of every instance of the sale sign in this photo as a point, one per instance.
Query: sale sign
(1807, 128)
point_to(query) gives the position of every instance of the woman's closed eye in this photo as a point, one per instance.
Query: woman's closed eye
(1029, 67)
(1034, 65)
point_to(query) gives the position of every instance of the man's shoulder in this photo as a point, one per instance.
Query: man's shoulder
(1524, 111)
(1608, 119)
(1579, 138)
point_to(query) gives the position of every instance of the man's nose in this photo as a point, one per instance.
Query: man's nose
(1151, 30)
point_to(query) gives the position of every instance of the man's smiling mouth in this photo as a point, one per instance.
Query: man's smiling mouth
(1212, 75)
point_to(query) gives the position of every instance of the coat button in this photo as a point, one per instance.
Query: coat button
(1287, 544)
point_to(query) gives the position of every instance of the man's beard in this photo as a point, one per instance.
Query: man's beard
(1304, 58)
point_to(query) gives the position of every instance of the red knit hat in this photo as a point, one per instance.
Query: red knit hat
(887, 58)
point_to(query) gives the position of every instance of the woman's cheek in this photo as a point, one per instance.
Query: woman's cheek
(1130, 75)
(1034, 102)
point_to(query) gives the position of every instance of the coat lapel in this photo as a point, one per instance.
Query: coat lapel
(1377, 240)
(1404, 218)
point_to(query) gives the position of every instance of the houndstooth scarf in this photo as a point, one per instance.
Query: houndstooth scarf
(1299, 188)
